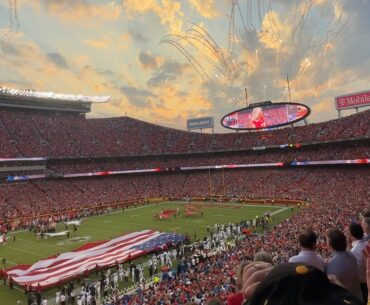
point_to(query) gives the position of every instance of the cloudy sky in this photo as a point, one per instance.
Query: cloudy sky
(165, 61)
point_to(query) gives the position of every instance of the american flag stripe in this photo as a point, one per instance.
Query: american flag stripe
(67, 257)
(87, 255)
(56, 278)
(47, 281)
(80, 266)
(51, 272)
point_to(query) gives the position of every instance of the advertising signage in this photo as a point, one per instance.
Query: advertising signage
(353, 100)
(200, 123)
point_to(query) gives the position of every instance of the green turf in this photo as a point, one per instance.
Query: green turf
(28, 248)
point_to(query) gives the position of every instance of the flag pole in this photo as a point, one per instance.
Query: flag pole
(287, 80)
(246, 95)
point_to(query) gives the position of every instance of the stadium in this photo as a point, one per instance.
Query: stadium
(109, 166)
(116, 210)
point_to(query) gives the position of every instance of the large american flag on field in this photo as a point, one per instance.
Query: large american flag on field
(63, 267)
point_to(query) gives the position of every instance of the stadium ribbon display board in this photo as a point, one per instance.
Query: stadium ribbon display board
(265, 116)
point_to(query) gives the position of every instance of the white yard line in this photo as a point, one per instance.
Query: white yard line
(280, 211)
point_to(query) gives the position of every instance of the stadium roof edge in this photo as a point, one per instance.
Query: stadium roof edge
(31, 99)
(51, 96)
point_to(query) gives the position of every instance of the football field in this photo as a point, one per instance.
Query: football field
(27, 248)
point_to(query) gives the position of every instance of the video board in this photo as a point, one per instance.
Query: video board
(265, 117)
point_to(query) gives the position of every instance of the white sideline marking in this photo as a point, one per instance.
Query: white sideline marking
(280, 211)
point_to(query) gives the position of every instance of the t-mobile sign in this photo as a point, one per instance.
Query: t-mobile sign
(353, 100)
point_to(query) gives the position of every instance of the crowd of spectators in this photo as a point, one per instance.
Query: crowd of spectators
(212, 268)
(333, 151)
(214, 276)
(61, 196)
(50, 134)
(331, 217)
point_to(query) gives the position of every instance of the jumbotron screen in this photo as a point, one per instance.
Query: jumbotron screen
(265, 116)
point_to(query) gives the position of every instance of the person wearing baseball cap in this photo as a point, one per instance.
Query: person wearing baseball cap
(299, 284)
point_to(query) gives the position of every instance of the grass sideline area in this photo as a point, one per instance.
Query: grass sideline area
(28, 249)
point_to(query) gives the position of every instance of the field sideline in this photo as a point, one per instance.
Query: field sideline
(27, 248)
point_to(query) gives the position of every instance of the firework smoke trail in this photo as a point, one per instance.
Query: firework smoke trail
(277, 45)
(259, 9)
(192, 61)
(188, 39)
(208, 39)
(231, 37)
(14, 23)
(9, 32)
(16, 19)
(194, 33)
(305, 13)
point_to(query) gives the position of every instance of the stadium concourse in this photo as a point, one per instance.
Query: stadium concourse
(69, 144)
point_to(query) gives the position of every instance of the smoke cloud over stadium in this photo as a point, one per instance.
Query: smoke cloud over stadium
(165, 61)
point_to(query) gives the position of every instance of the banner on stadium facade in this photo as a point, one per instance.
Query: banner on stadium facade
(200, 123)
(353, 100)
(24, 178)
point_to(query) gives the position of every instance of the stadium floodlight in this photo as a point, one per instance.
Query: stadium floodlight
(52, 96)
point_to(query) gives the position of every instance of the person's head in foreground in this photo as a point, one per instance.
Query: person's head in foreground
(307, 239)
(336, 240)
(299, 284)
(263, 256)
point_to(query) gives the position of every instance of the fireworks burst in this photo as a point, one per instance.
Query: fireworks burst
(266, 42)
